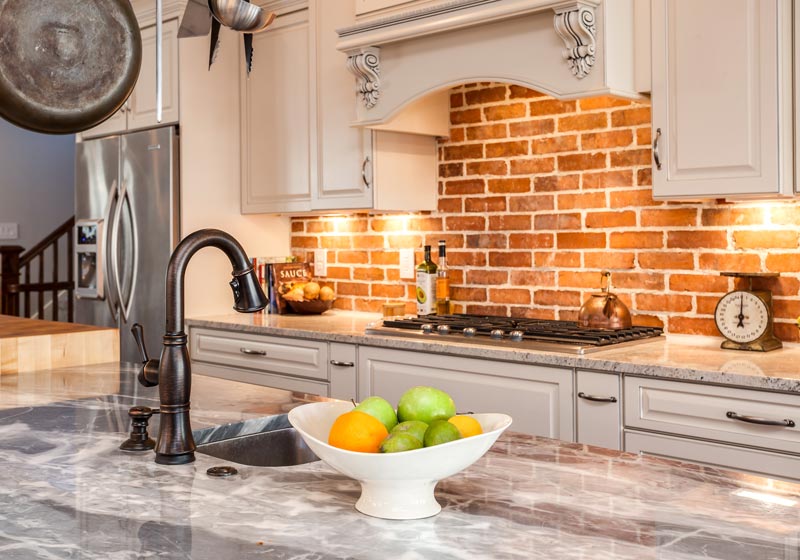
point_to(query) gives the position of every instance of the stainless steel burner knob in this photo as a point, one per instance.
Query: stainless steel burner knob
(516, 336)
(443, 329)
(427, 328)
(470, 331)
(497, 333)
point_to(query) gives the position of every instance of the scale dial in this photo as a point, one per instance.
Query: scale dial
(742, 316)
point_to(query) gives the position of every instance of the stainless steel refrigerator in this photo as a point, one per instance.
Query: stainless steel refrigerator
(126, 226)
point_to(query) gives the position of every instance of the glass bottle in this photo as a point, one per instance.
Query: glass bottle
(426, 285)
(442, 282)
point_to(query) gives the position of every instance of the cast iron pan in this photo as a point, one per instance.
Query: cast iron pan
(66, 65)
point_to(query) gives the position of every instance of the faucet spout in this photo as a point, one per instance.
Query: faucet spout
(175, 445)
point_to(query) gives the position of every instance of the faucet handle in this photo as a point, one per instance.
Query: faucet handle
(148, 376)
(138, 334)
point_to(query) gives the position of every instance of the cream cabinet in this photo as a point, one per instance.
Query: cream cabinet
(300, 152)
(139, 111)
(538, 398)
(734, 428)
(722, 99)
(277, 124)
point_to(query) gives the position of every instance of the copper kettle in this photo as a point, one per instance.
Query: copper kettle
(604, 310)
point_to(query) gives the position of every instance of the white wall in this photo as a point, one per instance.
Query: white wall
(210, 172)
(37, 182)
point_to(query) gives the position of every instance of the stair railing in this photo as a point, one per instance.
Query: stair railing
(16, 264)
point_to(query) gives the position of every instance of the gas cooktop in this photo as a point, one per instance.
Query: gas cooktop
(525, 334)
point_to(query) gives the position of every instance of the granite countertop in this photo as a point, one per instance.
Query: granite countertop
(680, 357)
(69, 493)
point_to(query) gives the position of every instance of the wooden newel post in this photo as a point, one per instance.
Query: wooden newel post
(9, 279)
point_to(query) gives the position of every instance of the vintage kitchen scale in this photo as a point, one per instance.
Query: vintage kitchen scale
(745, 317)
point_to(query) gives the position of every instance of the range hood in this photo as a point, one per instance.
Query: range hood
(567, 49)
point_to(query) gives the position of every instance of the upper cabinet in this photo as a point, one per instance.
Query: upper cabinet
(300, 151)
(722, 99)
(139, 111)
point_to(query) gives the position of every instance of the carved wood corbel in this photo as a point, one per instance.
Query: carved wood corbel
(575, 24)
(365, 64)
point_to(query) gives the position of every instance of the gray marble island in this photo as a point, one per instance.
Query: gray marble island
(67, 492)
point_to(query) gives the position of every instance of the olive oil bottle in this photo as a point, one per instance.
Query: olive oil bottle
(426, 285)
(442, 282)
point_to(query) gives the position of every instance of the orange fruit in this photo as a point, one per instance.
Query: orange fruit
(357, 431)
(467, 425)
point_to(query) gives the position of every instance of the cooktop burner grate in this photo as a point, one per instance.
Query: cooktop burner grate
(565, 336)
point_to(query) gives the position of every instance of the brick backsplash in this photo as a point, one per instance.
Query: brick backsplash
(536, 196)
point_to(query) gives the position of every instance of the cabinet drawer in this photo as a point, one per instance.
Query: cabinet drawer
(705, 412)
(762, 463)
(286, 356)
(599, 409)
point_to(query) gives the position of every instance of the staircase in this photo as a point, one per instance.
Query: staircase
(22, 277)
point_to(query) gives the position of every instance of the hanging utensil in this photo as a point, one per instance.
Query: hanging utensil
(241, 15)
(66, 66)
(202, 16)
(604, 310)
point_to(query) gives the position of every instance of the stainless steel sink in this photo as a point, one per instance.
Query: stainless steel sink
(281, 447)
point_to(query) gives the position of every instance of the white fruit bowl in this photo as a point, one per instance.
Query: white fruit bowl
(394, 485)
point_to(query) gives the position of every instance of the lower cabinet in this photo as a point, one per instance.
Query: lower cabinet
(538, 398)
(741, 429)
(304, 366)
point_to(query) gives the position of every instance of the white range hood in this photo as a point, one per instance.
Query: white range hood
(567, 49)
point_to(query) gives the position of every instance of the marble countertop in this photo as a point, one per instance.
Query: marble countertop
(680, 357)
(69, 493)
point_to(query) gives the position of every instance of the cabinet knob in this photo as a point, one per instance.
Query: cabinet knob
(342, 364)
(250, 352)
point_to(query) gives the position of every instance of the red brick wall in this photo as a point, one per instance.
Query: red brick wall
(536, 196)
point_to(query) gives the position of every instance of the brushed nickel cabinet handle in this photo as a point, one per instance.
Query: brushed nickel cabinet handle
(342, 364)
(761, 421)
(252, 352)
(656, 154)
(594, 398)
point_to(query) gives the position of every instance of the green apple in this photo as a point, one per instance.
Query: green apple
(441, 431)
(399, 441)
(425, 404)
(381, 409)
(413, 427)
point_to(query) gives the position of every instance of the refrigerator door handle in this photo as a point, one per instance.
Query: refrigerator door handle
(108, 230)
(125, 196)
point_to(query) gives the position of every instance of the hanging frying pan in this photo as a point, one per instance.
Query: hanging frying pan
(66, 65)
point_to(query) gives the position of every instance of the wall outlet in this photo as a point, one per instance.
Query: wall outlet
(9, 230)
(407, 263)
(320, 262)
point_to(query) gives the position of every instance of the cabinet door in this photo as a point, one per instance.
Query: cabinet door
(276, 119)
(599, 409)
(343, 372)
(721, 98)
(344, 180)
(538, 398)
(142, 104)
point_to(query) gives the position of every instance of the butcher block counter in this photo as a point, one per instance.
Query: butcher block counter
(33, 344)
